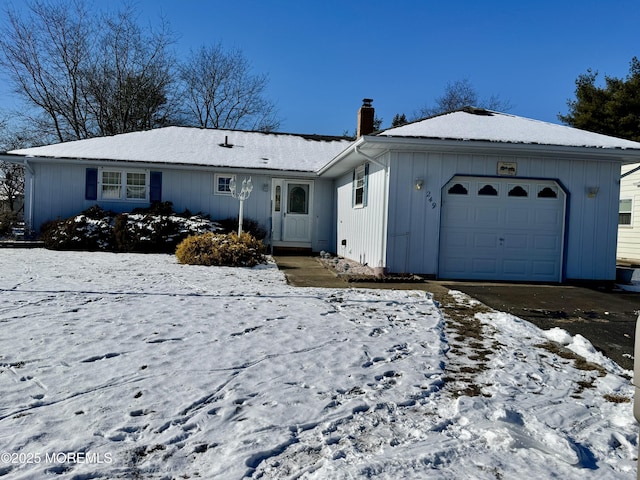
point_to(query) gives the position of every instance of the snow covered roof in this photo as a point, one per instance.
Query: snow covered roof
(207, 147)
(484, 125)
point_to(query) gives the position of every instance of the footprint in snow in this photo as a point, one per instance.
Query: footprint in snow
(95, 358)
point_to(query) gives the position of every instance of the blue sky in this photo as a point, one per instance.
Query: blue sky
(322, 57)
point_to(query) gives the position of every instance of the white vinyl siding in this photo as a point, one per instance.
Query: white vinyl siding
(625, 211)
(628, 250)
(361, 232)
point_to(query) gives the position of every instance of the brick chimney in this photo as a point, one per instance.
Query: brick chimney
(365, 118)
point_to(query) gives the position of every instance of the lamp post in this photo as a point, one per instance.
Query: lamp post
(242, 195)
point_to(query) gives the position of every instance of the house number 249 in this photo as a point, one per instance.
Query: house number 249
(430, 199)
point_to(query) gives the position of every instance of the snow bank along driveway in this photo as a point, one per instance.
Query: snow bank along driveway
(132, 366)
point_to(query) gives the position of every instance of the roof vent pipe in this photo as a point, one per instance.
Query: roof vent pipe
(226, 143)
(365, 118)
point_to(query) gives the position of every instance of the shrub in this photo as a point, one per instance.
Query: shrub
(91, 230)
(221, 250)
(250, 226)
(7, 221)
(151, 230)
(149, 233)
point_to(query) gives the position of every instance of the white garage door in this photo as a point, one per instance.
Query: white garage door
(502, 229)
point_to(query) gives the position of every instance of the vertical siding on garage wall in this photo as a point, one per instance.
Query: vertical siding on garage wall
(629, 235)
(363, 229)
(414, 215)
(413, 230)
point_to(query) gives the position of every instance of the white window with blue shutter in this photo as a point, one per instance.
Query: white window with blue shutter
(155, 187)
(91, 184)
(360, 186)
(130, 185)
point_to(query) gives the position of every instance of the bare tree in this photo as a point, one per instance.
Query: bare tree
(43, 55)
(85, 75)
(221, 91)
(128, 84)
(11, 184)
(461, 93)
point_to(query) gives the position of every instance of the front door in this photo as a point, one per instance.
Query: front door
(291, 211)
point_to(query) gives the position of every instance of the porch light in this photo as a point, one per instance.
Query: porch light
(419, 183)
(245, 191)
(592, 192)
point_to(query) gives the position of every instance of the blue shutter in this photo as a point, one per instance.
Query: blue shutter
(91, 184)
(155, 187)
(365, 192)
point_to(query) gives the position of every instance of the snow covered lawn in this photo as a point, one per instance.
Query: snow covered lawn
(132, 366)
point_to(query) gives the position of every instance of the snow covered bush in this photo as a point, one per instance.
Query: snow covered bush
(7, 221)
(91, 230)
(154, 230)
(221, 250)
(149, 233)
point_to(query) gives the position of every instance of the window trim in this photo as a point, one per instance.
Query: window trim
(216, 183)
(123, 173)
(630, 212)
(363, 171)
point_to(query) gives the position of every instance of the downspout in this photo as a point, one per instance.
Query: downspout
(32, 174)
(379, 269)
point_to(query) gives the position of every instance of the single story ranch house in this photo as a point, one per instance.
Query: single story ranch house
(471, 194)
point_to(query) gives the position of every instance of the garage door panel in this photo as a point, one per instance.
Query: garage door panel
(458, 214)
(547, 216)
(487, 266)
(516, 241)
(515, 267)
(543, 269)
(489, 215)
(456, 265)
(485, 240)
(502, 237)
(457, 239)
(546, 242)
(518, 216)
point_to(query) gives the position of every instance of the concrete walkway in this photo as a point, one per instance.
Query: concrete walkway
(606, 318)
(306, 271)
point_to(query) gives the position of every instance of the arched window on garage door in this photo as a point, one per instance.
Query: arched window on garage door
(459, 189)
(518, 191)
(547, 192)
(488, 190)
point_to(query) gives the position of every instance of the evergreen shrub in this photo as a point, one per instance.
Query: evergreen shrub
(156, 229)
(230, 225)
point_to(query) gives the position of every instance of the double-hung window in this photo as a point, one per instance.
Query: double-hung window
(624, 211)
(360, 180)
(124, 185)
(111, 185)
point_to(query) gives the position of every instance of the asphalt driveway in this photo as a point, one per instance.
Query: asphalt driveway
(606, 318)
